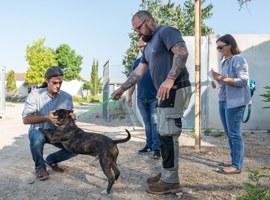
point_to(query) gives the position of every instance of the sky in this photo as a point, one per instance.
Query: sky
(99, 29)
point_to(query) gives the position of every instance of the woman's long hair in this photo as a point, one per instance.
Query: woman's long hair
(51, 72)
(229, 40)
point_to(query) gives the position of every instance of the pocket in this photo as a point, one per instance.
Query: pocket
(173, 126)
(168, 103)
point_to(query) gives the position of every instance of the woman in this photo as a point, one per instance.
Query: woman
(234, 95)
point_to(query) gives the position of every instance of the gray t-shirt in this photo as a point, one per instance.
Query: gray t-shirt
(158, 56)
(39, 102)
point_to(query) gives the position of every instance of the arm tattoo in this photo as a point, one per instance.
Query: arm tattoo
(179, 59)
(132, 80)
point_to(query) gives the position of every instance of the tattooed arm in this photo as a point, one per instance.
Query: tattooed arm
(179, 59)
(179, 62)
(133, 78)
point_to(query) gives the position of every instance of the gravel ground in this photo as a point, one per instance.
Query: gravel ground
(83, 178)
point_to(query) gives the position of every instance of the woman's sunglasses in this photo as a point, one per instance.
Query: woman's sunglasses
(221, 47)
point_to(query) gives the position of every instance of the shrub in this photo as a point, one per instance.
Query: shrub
(254, 191)
(78, 99)
(15, 98)
(208, 132)
(266, 96)
(95, 99)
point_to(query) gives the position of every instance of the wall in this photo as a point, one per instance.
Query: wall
(22, 88)
(74, 88)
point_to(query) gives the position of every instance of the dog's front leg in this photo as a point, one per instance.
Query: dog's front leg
(50, 135)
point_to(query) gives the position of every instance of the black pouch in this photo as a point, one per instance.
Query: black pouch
(168, 103)
(178, 122)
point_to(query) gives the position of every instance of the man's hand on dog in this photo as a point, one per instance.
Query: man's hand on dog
(53, 118)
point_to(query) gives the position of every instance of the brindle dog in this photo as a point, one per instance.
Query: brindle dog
(77, 141)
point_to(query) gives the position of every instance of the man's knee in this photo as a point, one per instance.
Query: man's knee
(36, 138)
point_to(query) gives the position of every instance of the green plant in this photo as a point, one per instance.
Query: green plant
(266, 96)
(207, 131)
(218, 134)
(95, 99)
(11, 82)
(39, 58)
(78, 99)
(15, 98)
(254, 191)
(69, 61)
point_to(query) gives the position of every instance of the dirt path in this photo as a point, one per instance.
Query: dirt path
(84, 179)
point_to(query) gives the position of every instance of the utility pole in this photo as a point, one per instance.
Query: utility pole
(198, 74)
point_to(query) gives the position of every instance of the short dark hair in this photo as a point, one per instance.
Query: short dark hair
(142, 14)
(229, 40)
(52, 72)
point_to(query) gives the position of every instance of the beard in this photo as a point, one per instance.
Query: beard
(146, 38)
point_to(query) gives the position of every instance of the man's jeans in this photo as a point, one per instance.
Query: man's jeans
(37, 141)
(231, 119)
(148, 109)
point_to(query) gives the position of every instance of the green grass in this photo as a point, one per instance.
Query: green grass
(209, 132)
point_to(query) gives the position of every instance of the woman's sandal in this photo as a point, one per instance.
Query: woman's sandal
(222, 171)
(223, 164)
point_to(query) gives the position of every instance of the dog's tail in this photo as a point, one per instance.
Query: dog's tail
(123, 140)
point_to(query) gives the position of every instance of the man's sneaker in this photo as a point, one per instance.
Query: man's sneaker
(55, 167)
(154, 179)
(146, 149)
(42, 173)
(162, 187)
(156, 154)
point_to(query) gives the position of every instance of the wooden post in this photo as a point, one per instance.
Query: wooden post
(198, 74)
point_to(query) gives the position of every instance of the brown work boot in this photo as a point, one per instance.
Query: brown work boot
(55, 167)
(42, 173)
(154, 179)
(162, 187)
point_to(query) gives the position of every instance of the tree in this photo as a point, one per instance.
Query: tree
(67, 59)
(242, 2)
(39, 58)
(168, 14)
(95, 84)
(11, 82)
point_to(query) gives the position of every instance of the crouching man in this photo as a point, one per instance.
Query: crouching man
(38, 112)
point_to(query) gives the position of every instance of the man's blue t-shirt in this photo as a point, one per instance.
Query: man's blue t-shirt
(158, 56)
(146, 88)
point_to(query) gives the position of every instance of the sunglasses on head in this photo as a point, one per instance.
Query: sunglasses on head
(221, 47)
